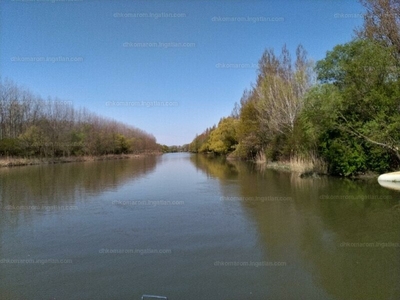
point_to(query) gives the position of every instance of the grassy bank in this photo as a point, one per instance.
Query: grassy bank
(22, 161)
(306, 167)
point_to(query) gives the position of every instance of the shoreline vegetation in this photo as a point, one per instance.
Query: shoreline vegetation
(308, 170)
(339, 116)
(22, 161)
(36, 131)
(305, 167)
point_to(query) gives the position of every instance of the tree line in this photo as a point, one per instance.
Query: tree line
(343, 110)
(31, 126)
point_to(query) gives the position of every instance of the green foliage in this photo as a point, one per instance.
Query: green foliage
(165, 149)
(379, 159)
(345, 156)
(248, 130)
(34, 141)
(10, 147)
(77, 142)
(224, 138)
(122, 144)
(201, 142)
(352, 118)
(175, 148)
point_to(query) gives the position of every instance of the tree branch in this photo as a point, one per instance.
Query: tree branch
(351, 130)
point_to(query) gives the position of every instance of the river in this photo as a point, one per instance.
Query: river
(188, 226)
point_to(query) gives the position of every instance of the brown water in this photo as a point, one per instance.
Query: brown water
(190, 227)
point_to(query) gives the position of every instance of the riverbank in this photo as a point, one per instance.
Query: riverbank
(308, 170)
(311, 167)
(287, 166)
(21, 161)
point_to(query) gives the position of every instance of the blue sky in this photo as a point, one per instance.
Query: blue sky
(159, 51)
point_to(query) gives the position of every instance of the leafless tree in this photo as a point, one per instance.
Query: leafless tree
(54, 127)
(382, 22)
(280, 89)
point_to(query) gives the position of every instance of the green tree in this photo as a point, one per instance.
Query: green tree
(224, 138)
(34, 142)
(248, 128)
(122, 144)
(10, 147)
(201, 142)
(77, 141)
(353, 117)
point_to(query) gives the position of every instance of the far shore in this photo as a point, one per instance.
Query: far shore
(22, 161)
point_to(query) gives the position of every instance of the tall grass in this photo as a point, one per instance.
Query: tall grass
(303, 164)
(310, 163)
(261, 157)
(10, 161)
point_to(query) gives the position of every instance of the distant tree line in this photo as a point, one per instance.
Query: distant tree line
(344, 109)
(175, 148)
(33, 127)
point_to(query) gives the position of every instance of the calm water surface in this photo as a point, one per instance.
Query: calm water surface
(191, 227)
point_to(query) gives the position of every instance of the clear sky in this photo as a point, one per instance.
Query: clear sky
(168, 54)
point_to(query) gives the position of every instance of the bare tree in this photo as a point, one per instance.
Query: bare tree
(55, 128)
(382, 22)
(280, 89)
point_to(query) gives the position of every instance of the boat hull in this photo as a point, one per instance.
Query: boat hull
(392, 177)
